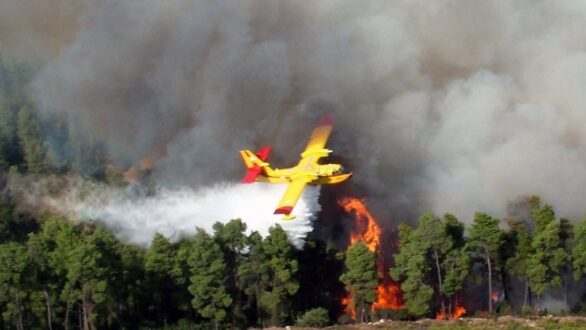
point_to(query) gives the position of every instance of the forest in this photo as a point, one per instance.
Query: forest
(56, 273)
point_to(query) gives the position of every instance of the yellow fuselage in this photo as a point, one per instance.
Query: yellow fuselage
(314, 174)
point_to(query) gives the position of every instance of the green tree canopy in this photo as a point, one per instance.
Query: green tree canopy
(208, 278)
(518, 263)
(30, 140)
(485, 242)
(361, 278)
(544, 264)
(579, 250)
(280, 278)
(159, 262)
(14, 262)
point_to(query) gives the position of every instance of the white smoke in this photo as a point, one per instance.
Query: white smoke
(135, 217)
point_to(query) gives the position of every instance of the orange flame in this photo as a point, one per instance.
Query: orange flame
(147, 163)
(459, 311)
(494, 296)
(347, 308)
(389, 295)
(369, 231)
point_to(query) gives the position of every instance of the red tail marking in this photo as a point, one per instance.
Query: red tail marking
(253, 172)
(284, 210)
(263, 153)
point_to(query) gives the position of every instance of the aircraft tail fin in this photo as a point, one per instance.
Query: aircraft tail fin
(255, 163)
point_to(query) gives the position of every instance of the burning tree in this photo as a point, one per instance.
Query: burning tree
(360, 279)
(368, 233)
(411, 268)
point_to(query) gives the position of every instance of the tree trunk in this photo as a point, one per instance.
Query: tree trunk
(19, 324)
(565, 289)
(439, 280)
(86, 321)
(257, 302)
(275, 316)
(526, 293)
(66, 323)
(48, 309)
(88, 308)
(538, 307)
(489, 283)
(80, 316)
(84, 316)
(505, 289)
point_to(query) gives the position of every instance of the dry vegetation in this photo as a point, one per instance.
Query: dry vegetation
(503, 322)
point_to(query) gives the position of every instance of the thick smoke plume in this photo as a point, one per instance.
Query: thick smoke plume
(456, 106)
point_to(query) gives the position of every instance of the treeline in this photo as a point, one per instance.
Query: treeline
(37, 145)
(62, 275)
(57, 274)
(442, 265)
(537, 254)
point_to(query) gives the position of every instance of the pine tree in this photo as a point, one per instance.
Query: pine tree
(87, 157)
(548, 255)
(544, 264)
(14, 262)
(485, 242)
(231, 238)
(9, 146)
(253, 274)
(361, 278)
(45, 280)
(208, 279)
(91, 267)
(579, 250)
(411, 269)
(158, 264)
(131, 295)
(435, 246)
(181, 273)
(456, 264)
(518, 263)
(281, 270)
(431, 233)
(30, 142)
(566, 241)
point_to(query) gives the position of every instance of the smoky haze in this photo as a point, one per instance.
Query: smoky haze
(456, 106)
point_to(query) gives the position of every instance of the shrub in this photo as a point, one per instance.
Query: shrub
(317, 317)
(389, 314)
(526, 311)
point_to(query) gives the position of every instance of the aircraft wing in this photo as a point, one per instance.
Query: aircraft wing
(315, 148)
(290, 198)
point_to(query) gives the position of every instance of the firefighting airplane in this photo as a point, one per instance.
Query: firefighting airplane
(307, 171)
